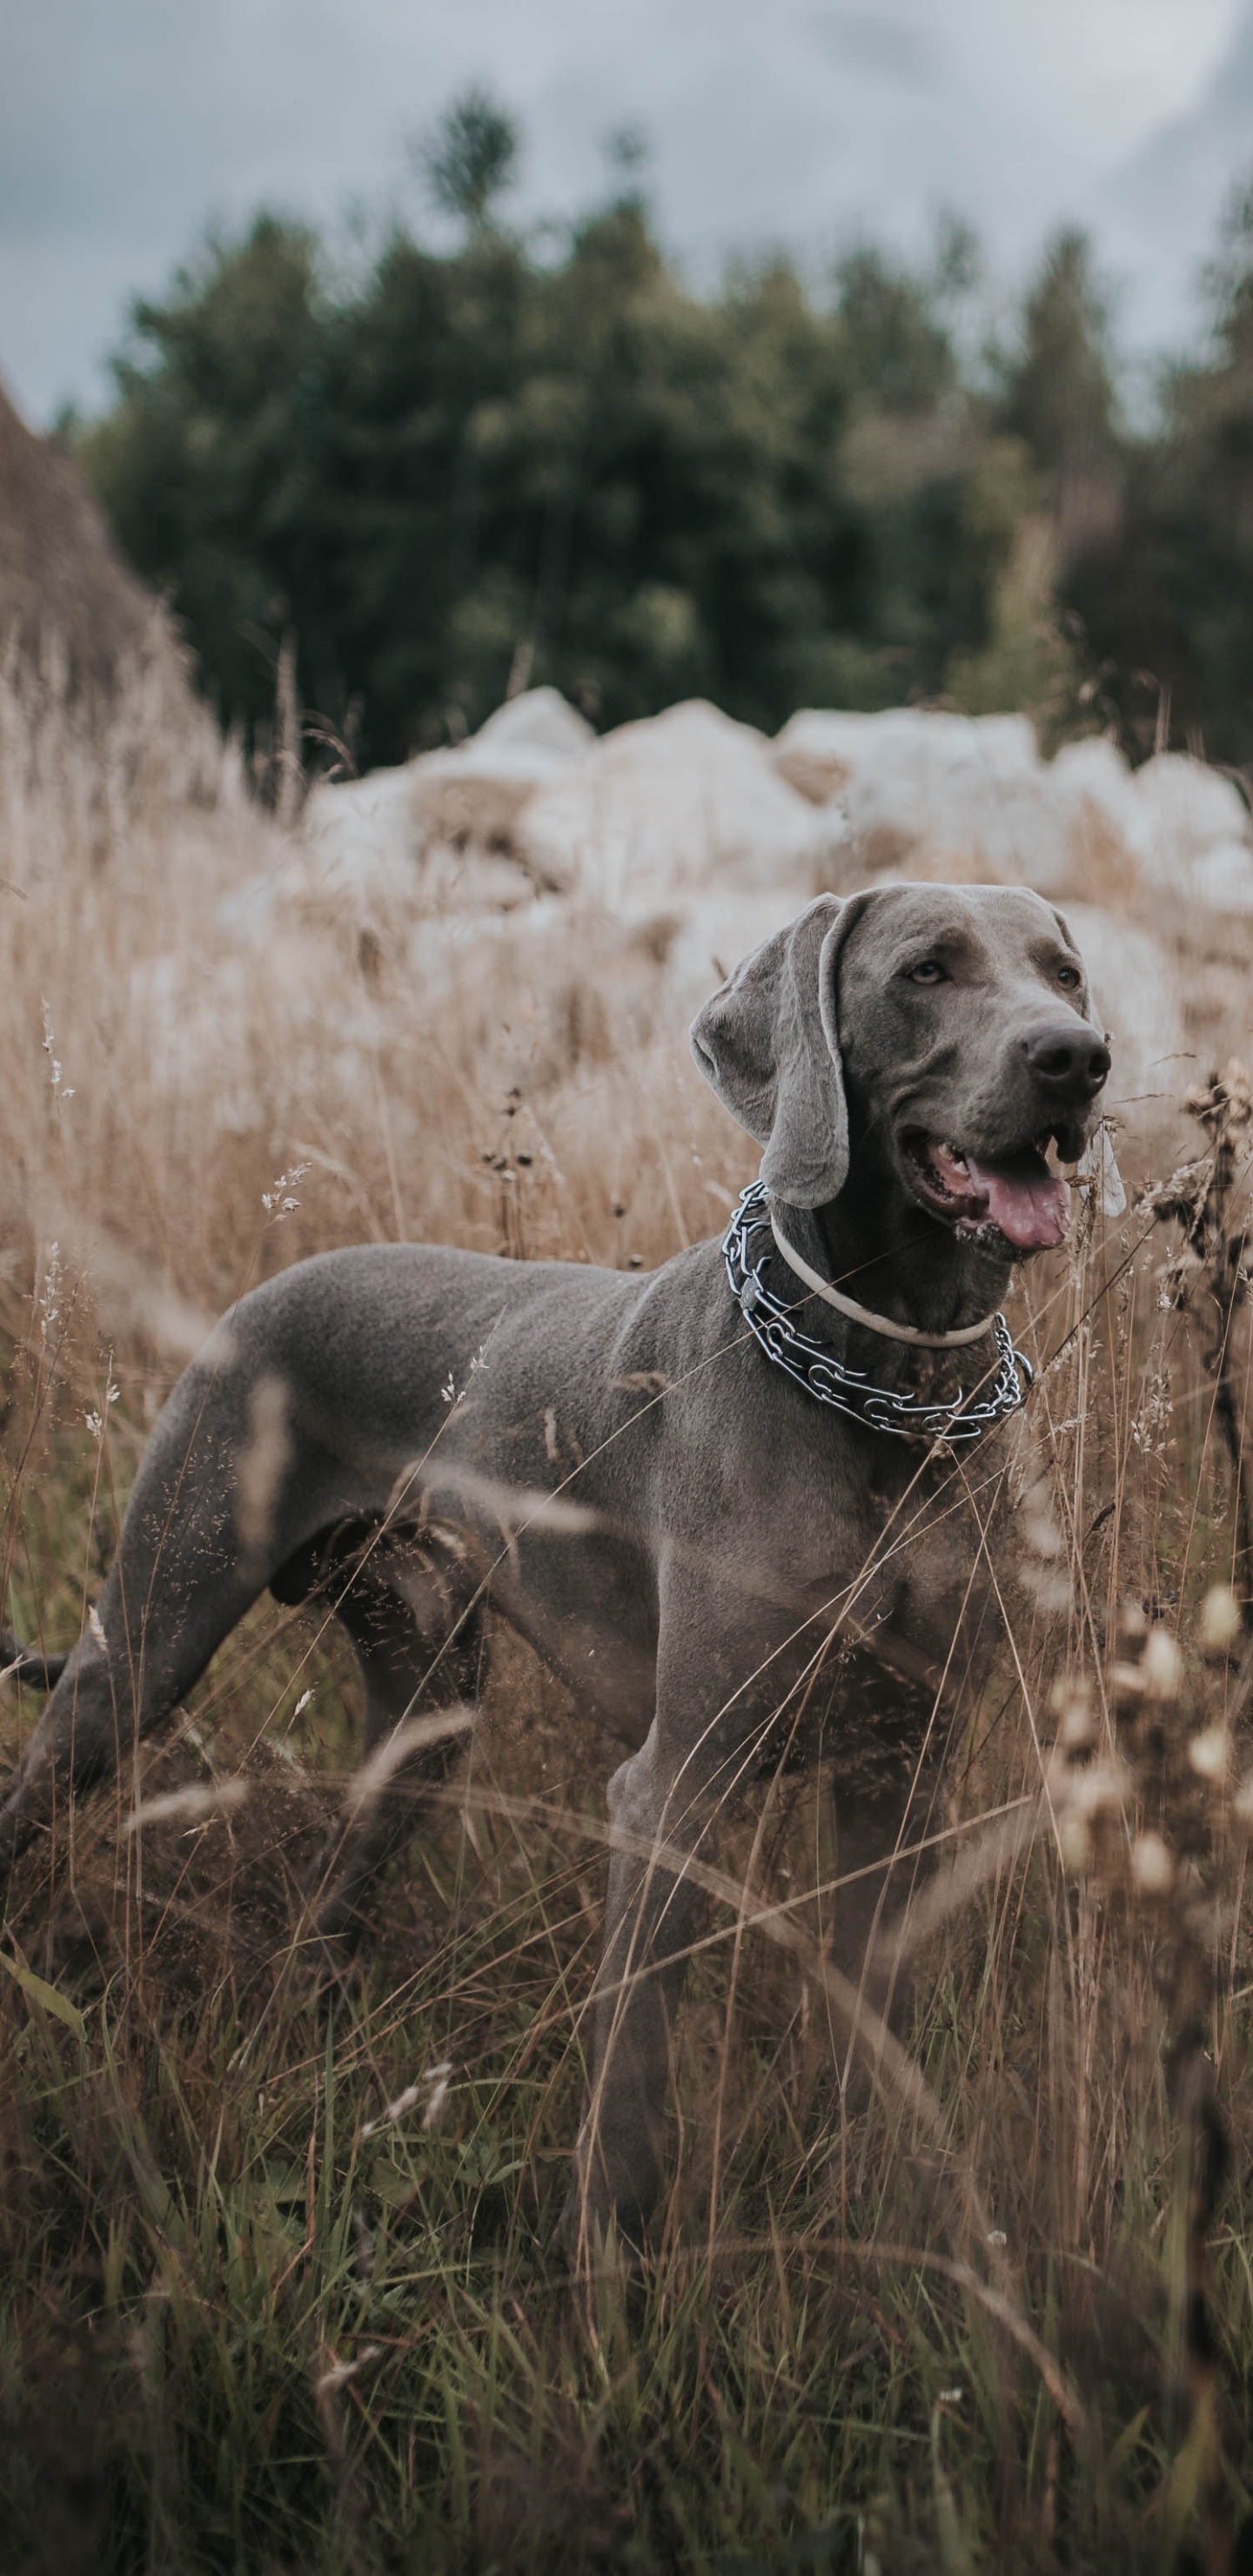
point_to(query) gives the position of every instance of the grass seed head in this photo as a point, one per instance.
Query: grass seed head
(1152, 1865)
(1161, 1667)
(1209, 1752)
(1220, 1625)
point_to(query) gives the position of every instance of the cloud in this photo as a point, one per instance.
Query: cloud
(124, 130)
(1160, 212)
(881, 47)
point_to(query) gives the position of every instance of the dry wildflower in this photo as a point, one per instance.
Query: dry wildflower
(1154, 1856)
(189, 1806)
(278, 1201)
(342, 2372)
(1040, 1532)
(1152, 1865)
(1126, 1686)
(1177, 1279)
(1223, 1105)
(60, 1091)
(50, 1295)
(1078, 1727)
(1220, 1625)
(412, 1736)
(431, 2090)
(1151, 1425)
(1072, 1705)
(1149, 1834)
(1209, 1753)
(1208, 1201)
(1161, 1666)
(1183, 1189)
(1242, 1806)
(94, 1419)
(1076, 1845)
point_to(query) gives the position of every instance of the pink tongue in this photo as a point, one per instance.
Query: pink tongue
(1030, 1205)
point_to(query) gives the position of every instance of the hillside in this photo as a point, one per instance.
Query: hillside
(60, 576)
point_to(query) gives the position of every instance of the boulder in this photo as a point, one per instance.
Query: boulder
(676, 801)
(1192, 831)
(456, 810)
(928, 793)
(937, 794)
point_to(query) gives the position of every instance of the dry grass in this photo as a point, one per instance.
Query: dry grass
(280, 2294)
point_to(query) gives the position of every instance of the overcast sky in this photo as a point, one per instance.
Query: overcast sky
(126, 126)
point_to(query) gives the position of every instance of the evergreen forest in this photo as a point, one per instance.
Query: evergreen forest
(473, 459)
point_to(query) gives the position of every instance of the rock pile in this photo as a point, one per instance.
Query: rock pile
(697, 836)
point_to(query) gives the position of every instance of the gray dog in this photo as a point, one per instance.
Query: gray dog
(736, 1504)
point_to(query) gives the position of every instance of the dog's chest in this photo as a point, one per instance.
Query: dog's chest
(911, 1556)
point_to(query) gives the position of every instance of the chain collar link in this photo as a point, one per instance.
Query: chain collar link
(747, 1244)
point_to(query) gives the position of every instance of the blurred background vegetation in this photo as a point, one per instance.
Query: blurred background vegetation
(445, 471)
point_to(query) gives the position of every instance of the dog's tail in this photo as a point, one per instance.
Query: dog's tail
(35, 1672)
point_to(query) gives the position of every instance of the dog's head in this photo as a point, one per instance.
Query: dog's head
(945, 1029)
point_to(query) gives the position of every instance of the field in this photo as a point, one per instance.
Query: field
(278, 2288)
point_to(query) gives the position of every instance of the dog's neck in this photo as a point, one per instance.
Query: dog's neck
(881, 1248)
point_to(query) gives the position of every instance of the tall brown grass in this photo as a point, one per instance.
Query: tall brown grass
(279, 2291)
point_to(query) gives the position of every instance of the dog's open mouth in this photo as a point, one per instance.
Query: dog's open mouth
(1017, 1193)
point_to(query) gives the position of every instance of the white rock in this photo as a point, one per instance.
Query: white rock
(531, 735)
(929, 793)
(717, 928)
(1185, 810)
(362, 827)
(674, 802)
(1222, 877)
(820, 747)
(369, 833)
(1095, 771)
(958, 796)
(1005, 743)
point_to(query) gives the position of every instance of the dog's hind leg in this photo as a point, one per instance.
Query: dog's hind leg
(122, 1679)
(413, 1607)
(231, 1484)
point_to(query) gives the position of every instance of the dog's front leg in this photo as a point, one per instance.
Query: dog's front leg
(652, 1913)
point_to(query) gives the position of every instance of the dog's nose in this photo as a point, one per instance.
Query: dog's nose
(1068, 1060)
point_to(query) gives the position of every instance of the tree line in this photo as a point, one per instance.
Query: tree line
(455, 470)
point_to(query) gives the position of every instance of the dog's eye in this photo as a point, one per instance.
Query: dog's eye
(1068, 975)
(929, 972)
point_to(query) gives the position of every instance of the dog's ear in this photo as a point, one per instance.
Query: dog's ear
(768, 1043)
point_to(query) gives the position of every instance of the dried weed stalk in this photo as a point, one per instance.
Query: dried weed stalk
(1208, 1200)
(1151, 1816)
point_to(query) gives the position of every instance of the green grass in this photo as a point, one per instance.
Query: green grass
(236, 2332)
(194, 2249)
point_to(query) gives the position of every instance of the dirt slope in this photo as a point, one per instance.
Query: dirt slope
(59, 574)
